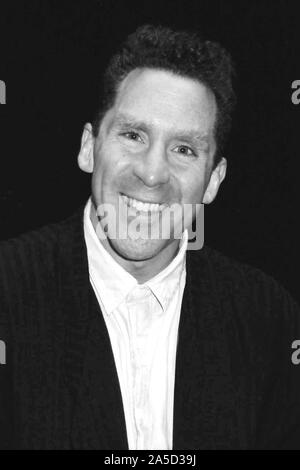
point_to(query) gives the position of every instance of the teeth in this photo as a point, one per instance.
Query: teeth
(142, 206)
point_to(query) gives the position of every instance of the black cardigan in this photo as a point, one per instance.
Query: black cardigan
(235, 385)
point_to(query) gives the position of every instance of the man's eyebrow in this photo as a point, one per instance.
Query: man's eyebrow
(125, 120)
(196, 137)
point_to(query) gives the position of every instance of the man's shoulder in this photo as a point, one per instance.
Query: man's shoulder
(234, 274)
(44, 237)
(38, 250)
(236, 281)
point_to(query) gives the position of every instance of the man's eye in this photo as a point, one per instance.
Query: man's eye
(185, 150)
(132, 136)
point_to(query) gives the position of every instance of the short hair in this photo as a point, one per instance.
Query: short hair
(183, 53)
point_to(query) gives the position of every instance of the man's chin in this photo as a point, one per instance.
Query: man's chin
(138, 250)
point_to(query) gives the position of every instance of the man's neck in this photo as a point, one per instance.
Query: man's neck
(142, 270)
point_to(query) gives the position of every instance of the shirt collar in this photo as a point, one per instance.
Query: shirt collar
(115, 283)
(165, 283)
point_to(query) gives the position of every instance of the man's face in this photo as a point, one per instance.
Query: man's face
(155, 146)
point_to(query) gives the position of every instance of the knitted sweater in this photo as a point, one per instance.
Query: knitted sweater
(236, 386)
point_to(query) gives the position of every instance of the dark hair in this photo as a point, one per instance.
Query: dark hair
(181, 52)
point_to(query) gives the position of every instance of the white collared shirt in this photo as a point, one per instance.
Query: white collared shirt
(142, 321)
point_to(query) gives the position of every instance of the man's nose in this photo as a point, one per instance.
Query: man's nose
(152, 167)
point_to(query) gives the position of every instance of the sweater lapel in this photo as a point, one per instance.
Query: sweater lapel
(99, 421)
(203, 397)
(90, 374)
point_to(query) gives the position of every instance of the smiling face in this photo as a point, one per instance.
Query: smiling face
(155, 145)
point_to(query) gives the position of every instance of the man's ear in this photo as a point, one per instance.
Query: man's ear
(216, 179)
(86, 154)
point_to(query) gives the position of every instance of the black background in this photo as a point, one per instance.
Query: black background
(51, 55)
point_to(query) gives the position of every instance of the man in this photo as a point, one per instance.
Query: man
(136, 342)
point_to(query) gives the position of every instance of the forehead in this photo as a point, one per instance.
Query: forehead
(166, 100)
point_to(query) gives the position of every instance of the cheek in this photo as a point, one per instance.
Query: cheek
(110, 168)
(111, 156)
(103, 164)
(193, 187)
(101, 176)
